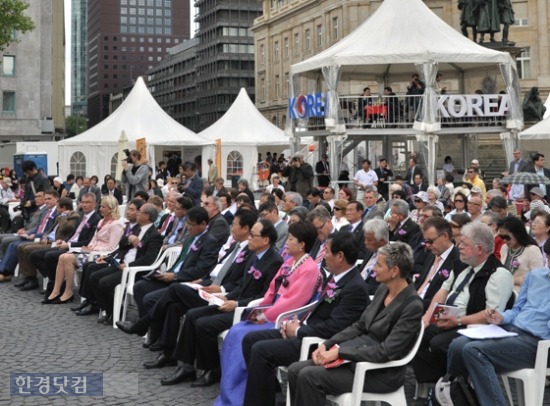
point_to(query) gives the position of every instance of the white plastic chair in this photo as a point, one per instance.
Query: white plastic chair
(356, 396)
(530, 381)
(237, 316)
(126, 286)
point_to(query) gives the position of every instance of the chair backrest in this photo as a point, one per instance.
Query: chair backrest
(408, 358)
(290, 313)
(172, 255)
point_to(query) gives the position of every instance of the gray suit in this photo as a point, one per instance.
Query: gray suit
(381, 334)
(522, 167)
(374, 213)
(282, 234)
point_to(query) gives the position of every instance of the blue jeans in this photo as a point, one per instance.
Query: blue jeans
(483, 360)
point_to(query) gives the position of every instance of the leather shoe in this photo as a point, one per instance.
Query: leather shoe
(30, 285)
(161, 362)
(140, 327)
(21, 283)
(208, 378)
(155, 346)
(183, 372)
(91, 308)
(80, 306)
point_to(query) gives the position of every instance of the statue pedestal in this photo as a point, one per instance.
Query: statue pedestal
(503, 47)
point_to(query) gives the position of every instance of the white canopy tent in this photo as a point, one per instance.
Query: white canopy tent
(139, 116)
(242, 129)
(539, 131)
(399, 38)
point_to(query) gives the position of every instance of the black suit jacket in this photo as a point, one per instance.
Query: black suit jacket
(371, 282)
(359, 237)
(87, 233)
(199, 261)
(522, 167)
(235, 271)
(409, 177)
(218, 227)
(117, 194)
(383, 187)
(409, 233)
(449, 264)
(250, 288)
(149, 248)
(332, 316)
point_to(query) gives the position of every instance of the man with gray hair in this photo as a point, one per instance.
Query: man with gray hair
(484, 283)
(291, 201)
(401, 226)
(217, 224)
(376, 235)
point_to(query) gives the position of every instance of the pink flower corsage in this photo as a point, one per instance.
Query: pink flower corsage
(514, 265)
(256, 274)
(240, 258)
(285, 271)
(401, 232)
(331, 292)
(194, 248)
(140, 245)
(444, 273)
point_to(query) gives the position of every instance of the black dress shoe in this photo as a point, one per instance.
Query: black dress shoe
(30, 285)
(91, 308)
(140, 327)
(161, 362)
(155, 347)
(80, 306)
(63, 301)
(183, 373)
(106, 319)
(22, 282)
(50, 301)
(208, 378)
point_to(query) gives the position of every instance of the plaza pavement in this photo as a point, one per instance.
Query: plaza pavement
(50, 338)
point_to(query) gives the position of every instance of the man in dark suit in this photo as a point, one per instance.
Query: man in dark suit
(315, 200)
(337, 308)
(244, 188)
(442, 258)
(217, 188)
(354, 213)
(371, 209)
(384, 173)
(112, 190)
(199, 336)
(87, 187)
(401, 227)
(518, 164)
(143, 251)
(198, 256)
(539, 169)
(269, 211)
(164, 317)
(413, 170)
(193, 187)
(46, 260)
(322, 169)
(218, 227)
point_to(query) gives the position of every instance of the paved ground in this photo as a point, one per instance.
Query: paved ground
(49, 338)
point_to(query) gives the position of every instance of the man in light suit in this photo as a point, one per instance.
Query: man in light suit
(87, 187)
(134, 175)
(199, 335)
(372, 211)
(376, 236)
(269, 211)
(198, 256)
(265, 350)
(443, 258)
(387, 330)
(518, 164)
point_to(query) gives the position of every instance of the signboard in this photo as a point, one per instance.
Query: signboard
(307, 106)
(473, 105)
(140, 146)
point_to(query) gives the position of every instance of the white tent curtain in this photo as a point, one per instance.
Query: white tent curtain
(515, 118)
(427, 120)
(509, 143)
(331, 74)
(428, 144)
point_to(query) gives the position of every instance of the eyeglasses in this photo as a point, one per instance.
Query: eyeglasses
(254, 235)
(477, 204)
(505, 237)
(263, 214)
(471, 172)
(459, 201)
(430, 242)
(417, 200)
(538, 223)
(321, 226)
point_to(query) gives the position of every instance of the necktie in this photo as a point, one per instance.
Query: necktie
(165, 224)
(175, 232)
(83, 223)
(367, 269)
(227, 264)
(422, 289)
(321, 253)
(451, 299)
(42, 226)
(181, 259)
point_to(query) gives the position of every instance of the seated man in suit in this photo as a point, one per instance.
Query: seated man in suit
(46, 260)
(269, 211)
(265, 350)
(354, 214)
(218, 227)
(372, 211)
(401, 226)
(87, 187)
(484, 283)
(175, 302)
(321, 220)
(199, 335)
(178, 227)
(198, 256)
(442, 258)
(112, 190)
(376, 235)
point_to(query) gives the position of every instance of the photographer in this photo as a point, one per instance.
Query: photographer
(135, 175)
(300, 176)
(415, 88)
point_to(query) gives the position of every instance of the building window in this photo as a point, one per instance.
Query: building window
(234, 164)
(8, 102)
(296, 44)
(262, 54)
(8, 65)
(78, 164)
(276, 51)
(319, 36)
(307, 40)
(335, 29)
(287, 84)
(286, 47)
(277, 86)
(114, 163)
(523, 63)
(262, 89)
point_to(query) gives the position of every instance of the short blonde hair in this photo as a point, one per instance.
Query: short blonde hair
(112, 205)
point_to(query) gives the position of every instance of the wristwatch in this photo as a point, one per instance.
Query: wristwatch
(459, 322)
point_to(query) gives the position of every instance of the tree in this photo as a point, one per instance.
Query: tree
(12, 18)
(74, 125)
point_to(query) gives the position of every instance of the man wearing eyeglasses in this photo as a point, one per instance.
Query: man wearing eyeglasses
(269, 211)
(472, 176)
(475, 204)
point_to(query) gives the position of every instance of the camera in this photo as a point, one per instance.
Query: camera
(128, 156)
(17, 208)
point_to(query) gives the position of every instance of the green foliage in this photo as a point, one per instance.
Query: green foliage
(13, 18)
(75, 125)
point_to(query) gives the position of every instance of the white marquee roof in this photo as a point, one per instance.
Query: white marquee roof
(400, 33)
(243, 124)
(140, 117)
(539, 131)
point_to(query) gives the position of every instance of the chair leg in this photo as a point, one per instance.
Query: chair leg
(506, 382)
(521, 393)
(116, 305)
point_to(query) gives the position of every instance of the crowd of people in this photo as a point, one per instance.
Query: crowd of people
(373, 267)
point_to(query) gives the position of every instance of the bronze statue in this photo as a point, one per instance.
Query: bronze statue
(488, 19)
(533, 108)
(467, 17)
(506, 14)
